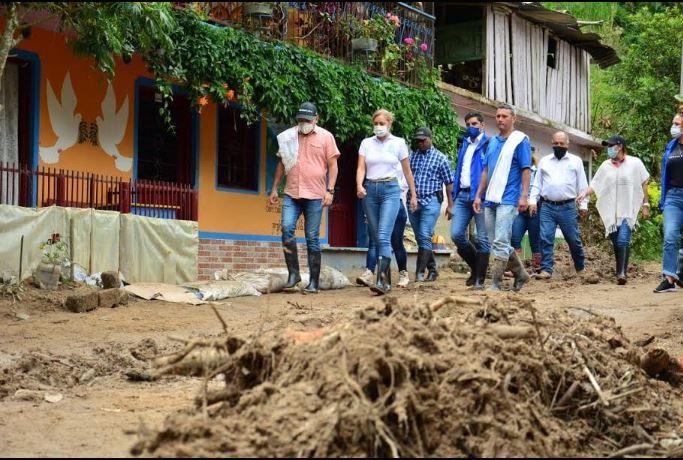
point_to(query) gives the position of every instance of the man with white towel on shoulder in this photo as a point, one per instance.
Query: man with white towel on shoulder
(505, 183)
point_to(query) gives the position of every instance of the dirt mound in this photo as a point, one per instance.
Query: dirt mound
(600, 266)
(43, 370)
(460, 377)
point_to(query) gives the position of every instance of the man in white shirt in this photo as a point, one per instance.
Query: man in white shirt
(559, 180)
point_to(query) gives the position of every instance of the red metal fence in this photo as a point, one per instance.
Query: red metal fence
(24, 186)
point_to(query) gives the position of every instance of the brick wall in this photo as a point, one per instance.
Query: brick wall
(242, 255)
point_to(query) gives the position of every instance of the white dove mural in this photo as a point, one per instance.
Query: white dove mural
(63, 120)
(112, 127)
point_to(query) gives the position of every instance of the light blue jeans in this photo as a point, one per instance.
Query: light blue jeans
(423, 221)
(396, 244)
(462, 214)
(312, 211)
(622, 237)
(673, 221)
(381, 208)
(499, 220)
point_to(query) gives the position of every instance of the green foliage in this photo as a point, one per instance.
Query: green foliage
(648, 236)
(636, 96)
(105, 30)
(277, 77)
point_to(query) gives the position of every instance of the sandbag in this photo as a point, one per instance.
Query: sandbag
(274, 279)
(218, 290)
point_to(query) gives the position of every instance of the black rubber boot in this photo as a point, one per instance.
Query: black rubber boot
(421, 264)
(469, 255)
(622, 264)
(314, 272)
(482, 265)
(432, 273)
(292, 260)
(383, 283)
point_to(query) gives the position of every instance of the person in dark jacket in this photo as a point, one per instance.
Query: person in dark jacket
(672, 206)
(465, 183)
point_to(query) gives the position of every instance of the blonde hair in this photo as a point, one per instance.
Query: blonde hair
(385, 113)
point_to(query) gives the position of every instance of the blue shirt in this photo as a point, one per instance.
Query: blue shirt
(665, 175)
(521, 160)
(476, 166)
(431, 170)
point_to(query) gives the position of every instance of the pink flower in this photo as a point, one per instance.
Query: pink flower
(424, 47)
(408, 41)
(393, 18)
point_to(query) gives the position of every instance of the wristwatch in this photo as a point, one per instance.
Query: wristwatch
(330, 191)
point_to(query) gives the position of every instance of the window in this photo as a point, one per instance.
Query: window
(552, 53)
(460, 45)
(164, 154)
(237, 166)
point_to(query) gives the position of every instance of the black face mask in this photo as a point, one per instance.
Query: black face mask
(559, 151)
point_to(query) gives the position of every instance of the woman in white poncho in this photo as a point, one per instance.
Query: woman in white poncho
(620, 185)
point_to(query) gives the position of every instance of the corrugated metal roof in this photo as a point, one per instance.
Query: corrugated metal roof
(566, 27)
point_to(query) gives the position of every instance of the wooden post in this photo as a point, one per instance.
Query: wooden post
(124, 197)
(61, 189)
(195, 205)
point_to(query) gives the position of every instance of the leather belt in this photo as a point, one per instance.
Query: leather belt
(558, 203)
(383, 179)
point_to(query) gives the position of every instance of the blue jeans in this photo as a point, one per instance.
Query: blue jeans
(622, 237)
(423, 221)
(499, 219)
(462, 214)
(673, 221)
(381, 208)
(396, 244)
(312, 210)
(524, 222)
(566, 216)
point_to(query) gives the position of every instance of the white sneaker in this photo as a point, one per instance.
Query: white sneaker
(365, 279)
(403, 279)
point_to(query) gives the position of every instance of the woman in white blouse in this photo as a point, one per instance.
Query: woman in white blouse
(378, 187)
(620, 184)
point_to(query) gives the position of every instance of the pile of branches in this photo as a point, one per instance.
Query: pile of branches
(458, 377)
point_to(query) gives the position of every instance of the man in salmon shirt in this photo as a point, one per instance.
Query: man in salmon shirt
(308, 155)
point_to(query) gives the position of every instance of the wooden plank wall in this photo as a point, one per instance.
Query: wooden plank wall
(517, 71)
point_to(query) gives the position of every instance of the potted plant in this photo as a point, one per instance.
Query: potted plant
(369, 34)
(258, 8)
(54, 263)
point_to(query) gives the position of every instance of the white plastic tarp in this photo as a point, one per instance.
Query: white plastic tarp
(158, 250)
(36, 225)
(104, 240)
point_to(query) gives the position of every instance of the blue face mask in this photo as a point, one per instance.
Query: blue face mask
(473, 132)
(612, 152)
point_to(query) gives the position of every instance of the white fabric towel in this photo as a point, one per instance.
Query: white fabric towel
(288, 147)
(499, 178)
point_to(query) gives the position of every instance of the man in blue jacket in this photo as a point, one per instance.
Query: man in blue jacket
(465, 184)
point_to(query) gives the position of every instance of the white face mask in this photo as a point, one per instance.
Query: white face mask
(380, 131)
(305, 128)
(675, 131)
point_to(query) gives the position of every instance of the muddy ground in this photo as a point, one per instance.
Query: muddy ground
(81, 361)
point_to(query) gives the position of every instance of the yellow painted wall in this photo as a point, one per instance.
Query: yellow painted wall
(219, 211)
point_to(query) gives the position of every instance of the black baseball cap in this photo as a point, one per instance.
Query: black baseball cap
(307, 111)
(423, 133)
(615, 140)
